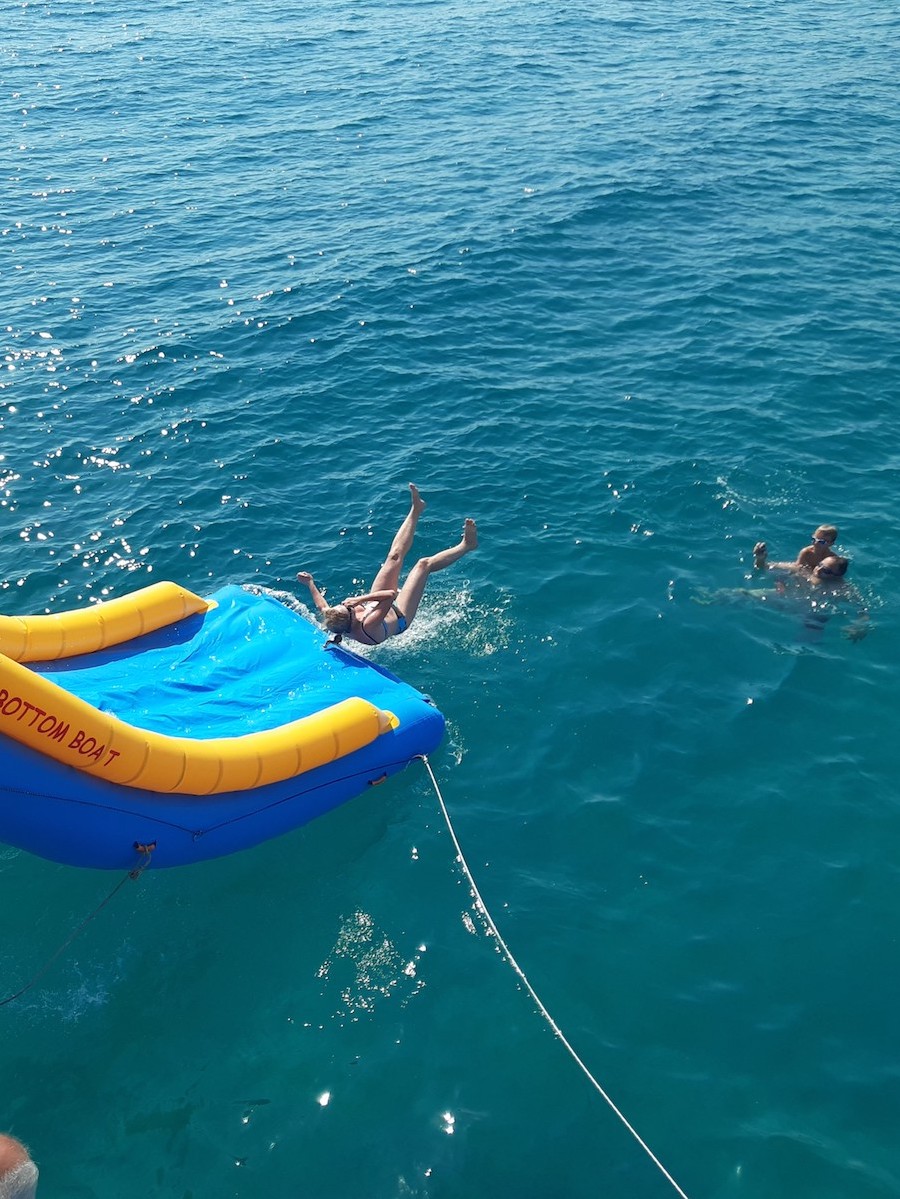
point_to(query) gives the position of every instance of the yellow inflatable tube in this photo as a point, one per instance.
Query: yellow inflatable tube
(65, 634)
(39, 714)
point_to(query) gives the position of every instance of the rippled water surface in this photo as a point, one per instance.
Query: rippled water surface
(620, 281)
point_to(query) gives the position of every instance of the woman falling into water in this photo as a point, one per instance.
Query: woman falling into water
(388, 609)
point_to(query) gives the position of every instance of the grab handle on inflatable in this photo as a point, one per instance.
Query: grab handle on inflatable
(36, 712)
(64, 635)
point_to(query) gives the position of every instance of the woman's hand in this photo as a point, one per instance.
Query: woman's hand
(303, 576)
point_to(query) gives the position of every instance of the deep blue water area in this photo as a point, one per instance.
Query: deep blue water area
(620, 281)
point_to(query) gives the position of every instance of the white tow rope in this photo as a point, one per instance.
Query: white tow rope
(507, 953)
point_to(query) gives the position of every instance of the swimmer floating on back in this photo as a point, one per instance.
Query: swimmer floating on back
(388, 609)
(817, 589)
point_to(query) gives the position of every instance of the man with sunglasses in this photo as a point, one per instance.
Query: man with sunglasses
(828, 578)
(807, 560)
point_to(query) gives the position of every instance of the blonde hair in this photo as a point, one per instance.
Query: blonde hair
(337, 620)
(829, 532)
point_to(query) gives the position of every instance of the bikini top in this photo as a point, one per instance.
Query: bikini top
(362, 629)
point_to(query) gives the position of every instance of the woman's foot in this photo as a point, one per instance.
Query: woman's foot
(416, 501)
(470, 535)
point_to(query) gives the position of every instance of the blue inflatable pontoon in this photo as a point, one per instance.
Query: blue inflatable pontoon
(209, 733)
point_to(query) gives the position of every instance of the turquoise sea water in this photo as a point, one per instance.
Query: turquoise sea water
(620, 281)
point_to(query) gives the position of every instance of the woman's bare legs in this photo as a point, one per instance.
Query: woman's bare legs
(413, 589)
(388, 577)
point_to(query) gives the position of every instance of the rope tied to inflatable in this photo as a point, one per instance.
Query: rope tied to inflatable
(133, 874)
(507, 953)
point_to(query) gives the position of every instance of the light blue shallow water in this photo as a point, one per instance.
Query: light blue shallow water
(620, 281)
